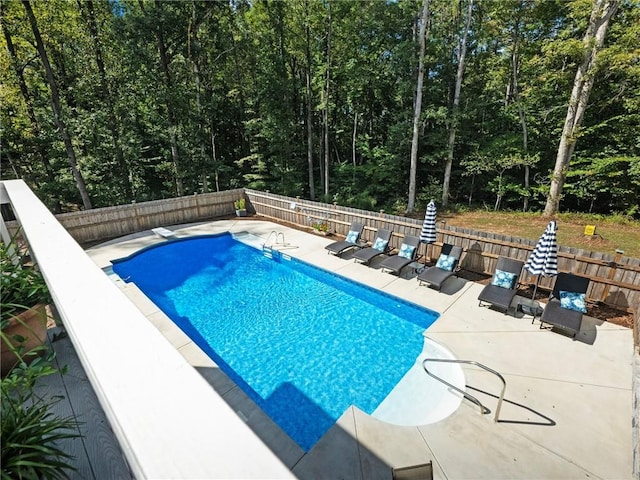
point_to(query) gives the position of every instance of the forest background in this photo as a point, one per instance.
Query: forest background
(111, 102)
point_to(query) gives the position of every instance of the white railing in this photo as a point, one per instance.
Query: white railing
(169, 421)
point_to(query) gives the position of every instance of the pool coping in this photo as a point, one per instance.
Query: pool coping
(547, 404)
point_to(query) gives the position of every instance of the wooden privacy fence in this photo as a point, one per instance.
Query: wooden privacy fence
(100, 224)
(615, 279)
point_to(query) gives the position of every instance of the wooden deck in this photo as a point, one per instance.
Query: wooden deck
(97, 452)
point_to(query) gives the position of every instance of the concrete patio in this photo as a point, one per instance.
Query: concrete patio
(568, 403)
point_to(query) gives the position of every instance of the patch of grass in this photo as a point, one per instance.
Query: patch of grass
(614, 232)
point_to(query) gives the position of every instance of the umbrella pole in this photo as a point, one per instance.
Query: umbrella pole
(535, 288)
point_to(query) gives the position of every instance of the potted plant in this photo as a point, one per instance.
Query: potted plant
(241, 208)
(321, 227)
(31, 432)
(23, 299)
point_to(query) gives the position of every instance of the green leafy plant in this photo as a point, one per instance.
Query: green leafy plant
(320, 226)
(23, 297)
(31, 432)
(21, 287)
(240, 204)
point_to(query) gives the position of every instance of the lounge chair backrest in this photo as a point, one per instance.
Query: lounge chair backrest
(356, 227)
(382, 237)
(456, 252)
(411, 241)
(452, 251)
(512, 266)
(384, 234)
(570, 282)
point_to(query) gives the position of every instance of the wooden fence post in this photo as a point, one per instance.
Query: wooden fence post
(612, 273)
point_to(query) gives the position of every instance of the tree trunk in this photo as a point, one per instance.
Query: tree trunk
(215, 159)
(193, 48)
(521, 113)
(354, 136)
(325, 110)
(312, 190)
(173, 128)
(35, 126)
(593, 41)
(125, 172)
(454, 110)
(57, 111)
(424, 20)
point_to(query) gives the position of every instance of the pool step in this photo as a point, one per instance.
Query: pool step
(275, 254)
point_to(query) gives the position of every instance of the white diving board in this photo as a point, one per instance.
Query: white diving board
(163, 232)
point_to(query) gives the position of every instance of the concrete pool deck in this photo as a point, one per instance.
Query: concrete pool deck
(568, 403)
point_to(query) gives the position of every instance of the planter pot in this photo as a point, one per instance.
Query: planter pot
(30, 324)
(241, 213)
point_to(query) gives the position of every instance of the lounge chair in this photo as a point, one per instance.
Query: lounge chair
(379, 247)
(567, 303)
(407, 254)
(445, 267)
(351, 241)
(504, 284)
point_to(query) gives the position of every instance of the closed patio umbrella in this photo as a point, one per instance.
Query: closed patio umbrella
(544, 258)
(428, 232)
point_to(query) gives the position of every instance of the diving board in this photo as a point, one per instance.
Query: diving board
(163, 232)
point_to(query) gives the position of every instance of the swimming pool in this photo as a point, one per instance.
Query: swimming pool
(303, 343)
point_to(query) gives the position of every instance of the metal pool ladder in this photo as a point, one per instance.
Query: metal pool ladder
(277, 243)
(466, 395)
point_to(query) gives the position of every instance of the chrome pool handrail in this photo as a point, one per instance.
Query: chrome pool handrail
(466, 395)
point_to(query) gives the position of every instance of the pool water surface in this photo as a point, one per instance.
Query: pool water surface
(303, 343)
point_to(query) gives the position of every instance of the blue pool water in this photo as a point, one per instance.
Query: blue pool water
(303, 343)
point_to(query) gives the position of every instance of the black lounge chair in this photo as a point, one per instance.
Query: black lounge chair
(380, 246)
(435, 276)
(407, 254)
(504, 284)
(558, 311)
(339, 247)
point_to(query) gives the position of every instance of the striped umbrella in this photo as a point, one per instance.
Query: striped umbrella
(428, 232)
(544, 258)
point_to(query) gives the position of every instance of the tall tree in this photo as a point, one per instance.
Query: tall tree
(453, 121)
(24, 90)
(57, 109)
(585, 77)
(515, 64)
(309, 98)
(168, 84)
(123, 173)
(325, 105)
(424, 21)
